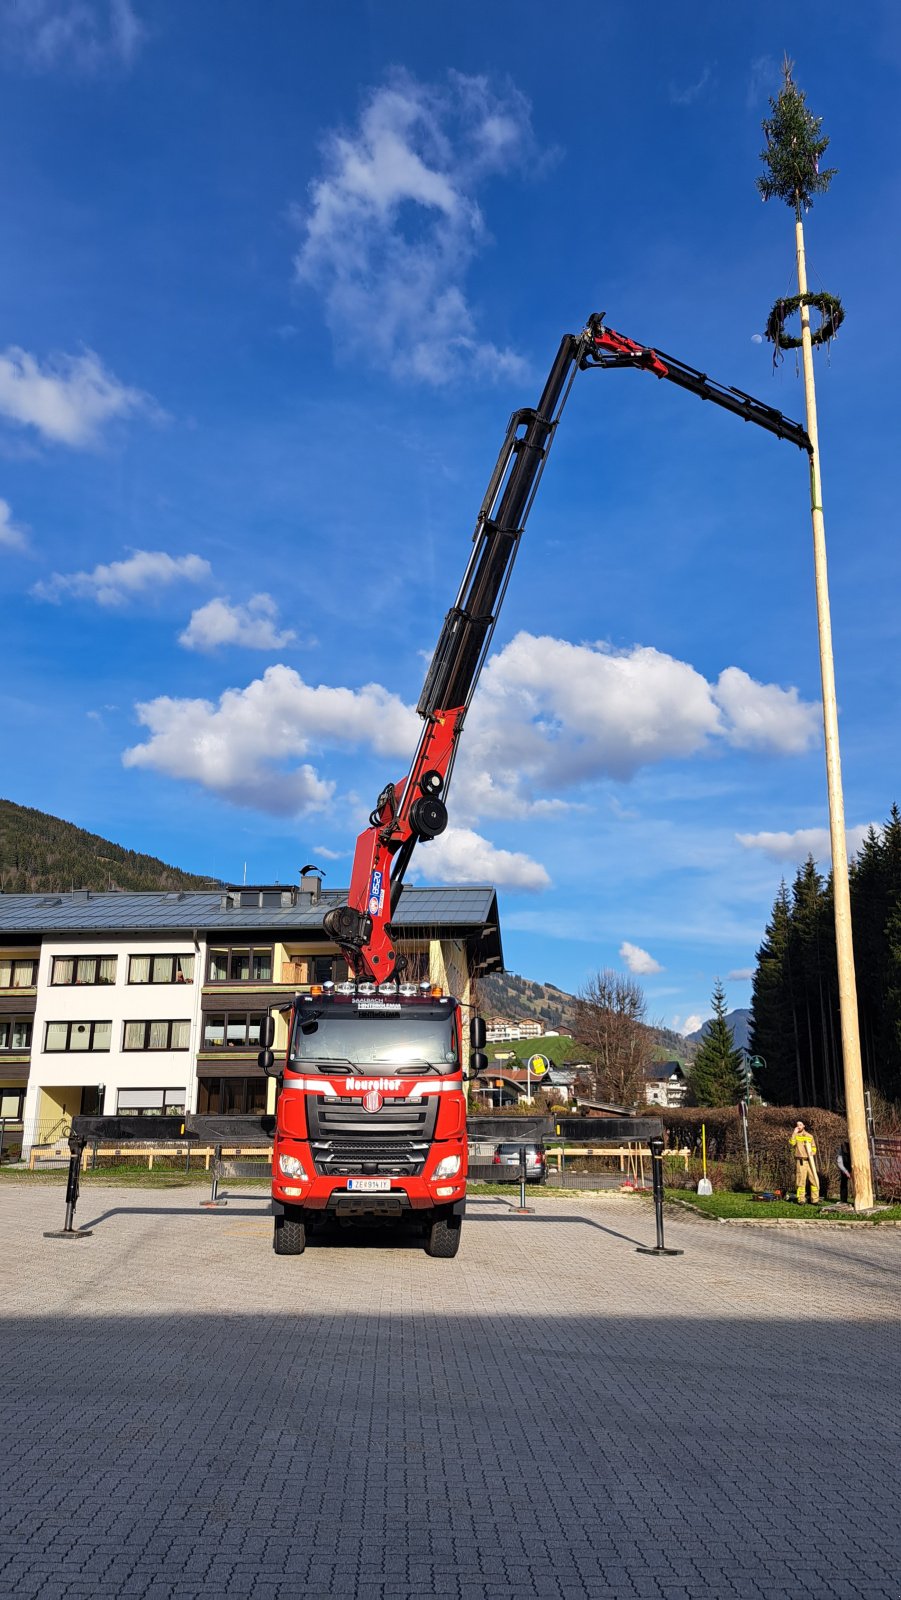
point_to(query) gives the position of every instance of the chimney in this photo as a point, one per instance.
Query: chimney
(311, 883)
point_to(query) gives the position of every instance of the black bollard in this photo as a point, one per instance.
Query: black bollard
(659, 1249)
(522, 1210)
(214, 1201)
(76, 1147)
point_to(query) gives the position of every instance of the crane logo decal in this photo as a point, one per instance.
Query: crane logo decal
(376, 893)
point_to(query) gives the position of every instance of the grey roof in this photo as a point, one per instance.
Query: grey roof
(470, 907)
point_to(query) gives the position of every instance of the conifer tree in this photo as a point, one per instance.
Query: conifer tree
(717, 1077)
(774, 1033)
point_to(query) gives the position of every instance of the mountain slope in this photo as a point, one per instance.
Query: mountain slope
(505, 994)
(40, 853)
(740, 1023)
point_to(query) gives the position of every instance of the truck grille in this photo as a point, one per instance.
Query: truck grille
(347, 1141)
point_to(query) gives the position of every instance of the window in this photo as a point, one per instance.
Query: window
(217, 1097)
(232, 1030)
(161, 969)
(67, 970)
(78, 1036)
(15, 1033)
(241, 965)
(17, 974)
(156, 1035)
(12, 1102)
(151, 1102)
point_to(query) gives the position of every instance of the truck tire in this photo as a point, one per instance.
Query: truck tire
(443, 1238)
(290, 1236)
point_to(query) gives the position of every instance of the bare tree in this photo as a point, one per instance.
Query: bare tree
(610, 1012)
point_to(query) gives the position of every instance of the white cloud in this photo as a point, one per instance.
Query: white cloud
(762, 716)
(638, 960)
(393, 224)
(688, 95)
(740, 974)
(78, 35)
(763, 80)
(69, 400)
(251, 626)
(690, 1025)
(551, 715)
(462, 856)
(12, 534)
(242, 748)
(802, 843)
(114, 583)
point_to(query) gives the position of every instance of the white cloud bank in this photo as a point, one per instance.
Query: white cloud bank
(69, 400)
(12, 534)
(242, 748)
(803, 842)
(252, 626)
(462, 856)
(550, 717)
(393, 224)
(113, 583)
(77, 35)
(638, 960)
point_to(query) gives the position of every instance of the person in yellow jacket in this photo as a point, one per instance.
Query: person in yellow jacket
(805, 1150)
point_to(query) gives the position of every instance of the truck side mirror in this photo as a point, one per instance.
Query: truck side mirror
(478, 1062)
(267, 1033)
(266, 1063)
(477, 1032)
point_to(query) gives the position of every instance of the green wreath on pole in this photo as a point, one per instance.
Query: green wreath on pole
(832, 315)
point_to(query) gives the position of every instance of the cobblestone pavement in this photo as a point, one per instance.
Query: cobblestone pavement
(549, 1415)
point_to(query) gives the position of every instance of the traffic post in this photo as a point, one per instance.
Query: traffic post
(522, 1210)
(660, 1248)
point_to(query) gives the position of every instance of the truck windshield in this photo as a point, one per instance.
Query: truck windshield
(384, 1044)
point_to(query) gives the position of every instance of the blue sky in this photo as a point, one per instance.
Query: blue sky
(273, 280)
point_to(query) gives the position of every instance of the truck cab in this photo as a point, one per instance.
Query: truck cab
(371, 1112)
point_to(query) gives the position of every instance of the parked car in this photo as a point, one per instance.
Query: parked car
(506, 1157)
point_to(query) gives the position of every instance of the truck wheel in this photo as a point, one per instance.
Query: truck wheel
(290, 1236)
(443, 1238)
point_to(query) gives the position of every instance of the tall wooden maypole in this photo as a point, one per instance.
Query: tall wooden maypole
(792, 173)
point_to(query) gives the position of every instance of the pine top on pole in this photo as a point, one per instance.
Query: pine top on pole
(793, 149)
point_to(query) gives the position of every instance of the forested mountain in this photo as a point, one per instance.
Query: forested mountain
(504, 994)
(795, 1014)
(42, 854)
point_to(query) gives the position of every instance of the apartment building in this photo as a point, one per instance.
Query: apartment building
(152, 1003)
(500, 1029)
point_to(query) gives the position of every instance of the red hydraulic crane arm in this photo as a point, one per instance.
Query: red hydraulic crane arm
(413, 808)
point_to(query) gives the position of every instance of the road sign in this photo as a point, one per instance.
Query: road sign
(538, 1066)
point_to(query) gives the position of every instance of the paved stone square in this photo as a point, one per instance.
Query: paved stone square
(549, 1415)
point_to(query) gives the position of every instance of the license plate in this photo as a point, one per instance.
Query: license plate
(371, 1185)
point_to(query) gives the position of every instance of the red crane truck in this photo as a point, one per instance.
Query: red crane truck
(371, 1113)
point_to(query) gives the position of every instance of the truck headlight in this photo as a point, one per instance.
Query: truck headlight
(291, 1167)
(447, 1168)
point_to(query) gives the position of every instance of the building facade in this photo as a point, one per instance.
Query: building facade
(152, 1003)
